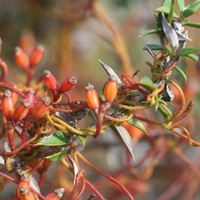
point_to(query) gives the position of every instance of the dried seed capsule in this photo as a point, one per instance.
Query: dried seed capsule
(21, 110)
(7, 105)
(92, 98)
(110, 89)
(21, 58)
(68, 84)
(41, 107)
(36, 56)
(49, 80)
(56, 195)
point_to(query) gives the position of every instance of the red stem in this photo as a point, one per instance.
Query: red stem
(106, 176)
(94, 189)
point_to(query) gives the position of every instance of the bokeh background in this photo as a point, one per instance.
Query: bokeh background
(75, 39)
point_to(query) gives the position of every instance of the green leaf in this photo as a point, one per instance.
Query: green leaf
(57, 156)
(163, 9)
(167, 3)
(149, 32)
(137, 124)
(82, 139)
(171, 12)
(187, 12)
(154, 46)
(147, 82)
(191, 9)
(181, 72)
(149, 64)
(169, 50)
(181, 5)
(186, 51)
(193, 57)
(191, 24)
(58, 138)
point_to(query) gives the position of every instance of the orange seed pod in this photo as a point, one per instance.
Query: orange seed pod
(41, 107)
(26, 194)
(56, 195)
(110, 89)
(49, 80)
(36, 56)
(68, 84)
(21, 110)
(92, 98)
(21, 58)
(23, 184)
(7, 105)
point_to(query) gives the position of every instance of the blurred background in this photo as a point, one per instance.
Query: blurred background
(75, 37)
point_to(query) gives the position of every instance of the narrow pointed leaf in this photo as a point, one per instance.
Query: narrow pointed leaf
(186, 51)
(82, 139)
(110, 72)
(149, 32)
(154, 46)
(181, 4)
(126, 138)
(137, 124)
(147, 82)
(193, 57)
(181, 72)
(57, 156)
(170, 33)
(75, 168)
(163, 9)
(167, 3)
(191, 24)
(58, 138)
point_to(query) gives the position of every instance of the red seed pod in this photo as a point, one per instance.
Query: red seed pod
(30, 96)
(21, 110)
(68, 84)
(7, 105)
(21, 58)
(110, 89)
(36, 56)
(92, 98)
(56, 195)
(41, 107)
(49, 80)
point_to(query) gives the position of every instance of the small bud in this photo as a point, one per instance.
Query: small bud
(68, 84)
(56, 195)
(36, 56)
(21, 110)
(21, 58)
(41, 107)
(49, 80)
(92, 98)
(110, 89)
(7, 105)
